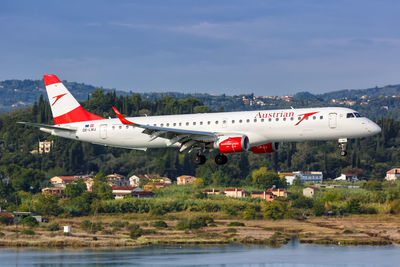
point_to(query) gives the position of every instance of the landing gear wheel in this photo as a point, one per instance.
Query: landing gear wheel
(221, 159)
(343, 145)
(199, 159)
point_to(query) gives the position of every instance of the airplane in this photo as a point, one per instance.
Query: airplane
(260, 131)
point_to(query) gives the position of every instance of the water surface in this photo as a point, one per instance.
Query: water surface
(293, 254)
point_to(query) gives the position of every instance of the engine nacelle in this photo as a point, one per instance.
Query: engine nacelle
(232, 144)
(266, 148)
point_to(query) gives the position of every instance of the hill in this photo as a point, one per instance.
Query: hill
(374, 102)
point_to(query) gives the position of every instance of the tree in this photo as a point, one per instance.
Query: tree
(262, 178)
(318, 208)
(47, 204)
(101, 188)
(275, 210)
(76, 189)
(373, 185)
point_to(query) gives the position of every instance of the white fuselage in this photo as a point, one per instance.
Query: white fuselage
(261, 127)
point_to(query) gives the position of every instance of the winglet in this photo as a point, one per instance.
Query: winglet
(122, 118)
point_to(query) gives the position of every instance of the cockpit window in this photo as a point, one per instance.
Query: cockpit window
(350, 115)
(357, 114)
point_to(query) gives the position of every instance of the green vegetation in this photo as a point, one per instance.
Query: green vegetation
(29, 221)
(28, 232)
(134, 231)
(236, 224)
(159, 224)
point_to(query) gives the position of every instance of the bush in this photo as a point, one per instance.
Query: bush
(54, 227)
(353, 206)
(5, 220)
(28, 232)
(91, 227)
(275, 210)
(194, 223)
(118, 224)
(159, 224)
(29, 221)
(134, 231)
(249, 213)
(318, 208)
(395, 206)
(302, 202)
(230, 230)
(236, 224)
(2, 234)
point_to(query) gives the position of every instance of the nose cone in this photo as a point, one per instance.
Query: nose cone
(374, 128)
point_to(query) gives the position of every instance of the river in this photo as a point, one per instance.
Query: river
(292, 254)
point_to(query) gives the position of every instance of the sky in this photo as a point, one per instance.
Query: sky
(232, 47)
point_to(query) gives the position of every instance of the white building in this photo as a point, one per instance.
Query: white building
(350, 177)
(305, 177)
(393, 174)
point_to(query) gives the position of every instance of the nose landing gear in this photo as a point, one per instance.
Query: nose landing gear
(342, 146)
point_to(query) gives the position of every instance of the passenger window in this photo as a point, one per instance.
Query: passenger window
(162, 124)
(321, 117)
(167, 124)
(155, 124)
(255, 120)
(314, 117)
(240, 121)
(299, 118)
(128, 126)
(233, 121)
(194, 123)
(269, 119)
(180, 124)
(201, 123)
(187, 124)
(174, 124)
(216, 122)
(262, 120)
(291, 118)
(120, 127)
(284, 119)
(307, 118)
(208, 122)
(247, 120)
(277, 119)
(113, 127)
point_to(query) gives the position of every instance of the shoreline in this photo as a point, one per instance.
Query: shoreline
(360, 230)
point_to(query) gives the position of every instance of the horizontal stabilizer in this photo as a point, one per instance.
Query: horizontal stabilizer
(46, 126)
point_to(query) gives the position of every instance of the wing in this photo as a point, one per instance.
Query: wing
(187, 138)
(46, 126)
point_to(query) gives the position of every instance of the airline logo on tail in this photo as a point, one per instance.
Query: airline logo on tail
(64, 107)
(57, 97)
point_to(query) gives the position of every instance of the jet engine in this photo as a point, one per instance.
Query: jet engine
(232, 144)
(266, 148)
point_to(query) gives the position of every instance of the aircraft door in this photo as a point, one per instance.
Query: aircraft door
(103, 131)
(332, 120)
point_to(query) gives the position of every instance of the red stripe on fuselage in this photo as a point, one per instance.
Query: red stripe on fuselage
(306, 116)
(76, 115)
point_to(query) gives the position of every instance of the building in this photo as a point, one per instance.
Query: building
(45, 146)
(310, 191)
(305, 177)
(267, 196)
(290, 176)
(212, 192)
(142, 194)
(185, 179)
(314, 177)
(117, 179)
(236, 192)
(120, 192)
(349, 177)
(134, 180)
(58, 191)
(393, 174)
(278, 192)
(62, 181)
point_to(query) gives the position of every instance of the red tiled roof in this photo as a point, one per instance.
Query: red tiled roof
(115, 187)
(6, 214)
(234, 189)
(67, 178)
(394, 171)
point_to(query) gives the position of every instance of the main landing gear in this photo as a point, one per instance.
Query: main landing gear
(343, 145)
(200, 159)
(221, 159)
